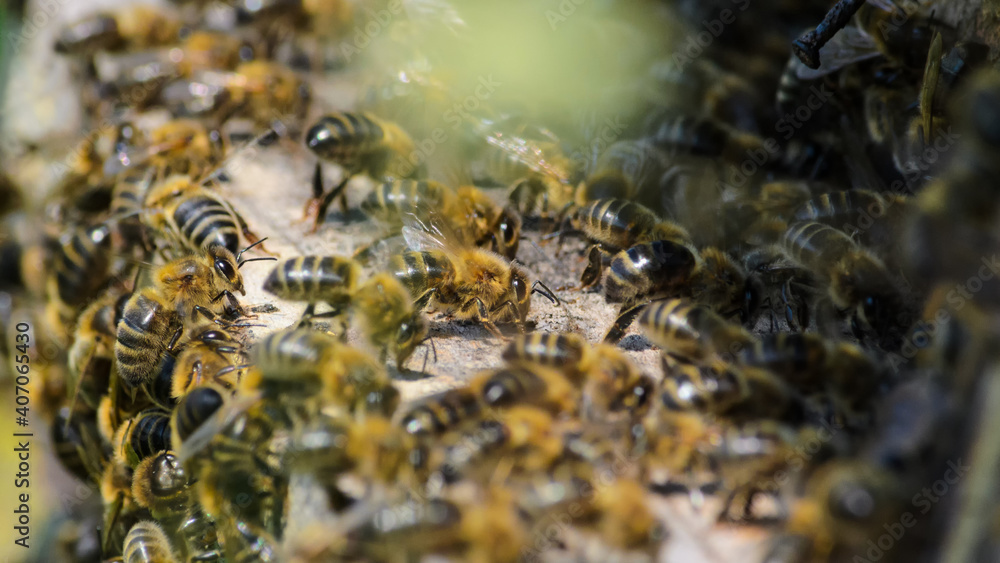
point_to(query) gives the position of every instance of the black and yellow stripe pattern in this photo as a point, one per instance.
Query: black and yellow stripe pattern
(143, 333)
(420, 271)
(81, 264)
(147, 434)
(346, 137)
(817, 246)
(390, 202)
(203, 220)
(291, 361)
(509, 386)
(648, 269)
(314, 279)
(616, 223)
(705, 389)
(562, 351)
(146, 543)
(442, 412)
(691, 331)
(193, 410)
(842, 204)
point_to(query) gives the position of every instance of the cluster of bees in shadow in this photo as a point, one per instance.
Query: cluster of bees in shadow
(787, 227)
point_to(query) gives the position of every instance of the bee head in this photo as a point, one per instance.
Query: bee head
(509, 230)
(327, 136)
(224, 265)
(521, 289)
(410, 334)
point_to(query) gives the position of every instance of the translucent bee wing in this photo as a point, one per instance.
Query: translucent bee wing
(850, 45)
(380, 252)
(420, 240)
(432, 233)
(527, 152)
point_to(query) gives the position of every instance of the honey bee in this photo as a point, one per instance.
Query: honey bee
(266, 92)
(194, 409)
(469, 211)
(442, 412)
(324, 18)
(193, 217)
(776, 283)
(703, 136)
(245, 465)
(612, 502)
(147, 543)
(179, 146)
(92, 353)
(871, 218)
(120, 509)
(304, 364)
(390, 202)
(156, 77)
(81, 266)
(858, 281)
(362, 144)
(488, 529)
(134, 27)
(146, 434)
(160, 484)
(390, 319)
(467, 282)
(725, 390)
(848, 373)
(562, 351)
(627, 170)
(611, 383)
(77, 444)
(208, 354)
(691, 331)
(143, 335)
(315, 279)
(487, 224)
(525, 385)
(617, 224)
(152, 318)
(126, 207)
(646, 270)
(844, 503)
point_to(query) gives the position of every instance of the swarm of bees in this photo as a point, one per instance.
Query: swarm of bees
(803, 228)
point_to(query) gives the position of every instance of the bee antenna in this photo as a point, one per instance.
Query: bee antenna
(545, 292)
(261, 259)
(258, 243)
(430, 339)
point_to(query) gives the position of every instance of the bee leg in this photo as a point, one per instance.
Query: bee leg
(421, 302)
(512, 308)
(626, 315)
(786, 300)
(233, 305)
(483, 316)
(173, 339)
(595, 262)
(323, 205)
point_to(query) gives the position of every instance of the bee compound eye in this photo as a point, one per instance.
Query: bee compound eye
(226, 269)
